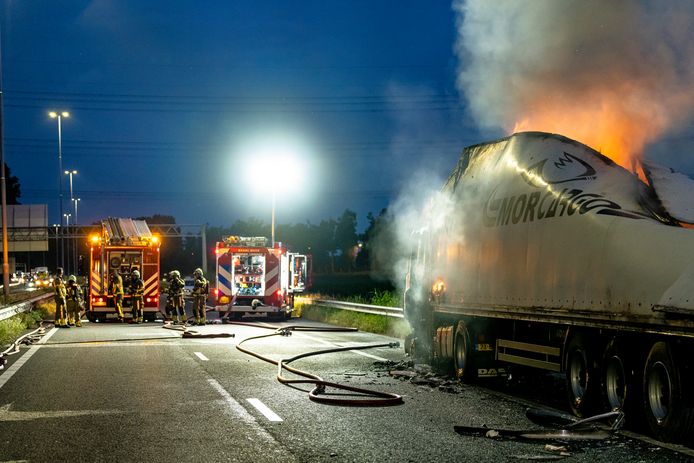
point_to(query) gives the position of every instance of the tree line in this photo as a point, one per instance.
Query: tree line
(334, 243)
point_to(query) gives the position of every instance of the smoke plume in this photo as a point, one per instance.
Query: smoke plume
(614, 75)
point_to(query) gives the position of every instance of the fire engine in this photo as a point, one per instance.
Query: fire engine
(122, 246)
(253, 277)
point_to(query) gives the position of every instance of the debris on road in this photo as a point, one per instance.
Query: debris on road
(400, 373)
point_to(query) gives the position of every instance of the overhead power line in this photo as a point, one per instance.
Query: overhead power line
(211, 103)
(116, 148)
(196, 196)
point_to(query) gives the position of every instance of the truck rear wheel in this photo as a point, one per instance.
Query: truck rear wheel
(621, 379)
(462, 353)
(582, 377)
(668, 414)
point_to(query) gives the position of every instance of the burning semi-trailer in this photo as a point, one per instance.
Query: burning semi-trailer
(552, 256)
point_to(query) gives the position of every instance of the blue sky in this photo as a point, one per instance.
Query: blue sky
(163, 94)
(166, 97)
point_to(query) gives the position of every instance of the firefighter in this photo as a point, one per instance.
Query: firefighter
(59, 296)
(200, 289)
(175, 297)
(137, 291)
(74, 301)
(168, 309)
(115, 289)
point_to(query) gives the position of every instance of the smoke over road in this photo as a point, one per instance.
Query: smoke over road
(614, 75)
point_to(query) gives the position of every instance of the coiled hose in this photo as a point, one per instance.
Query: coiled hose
(368, 397)
(28, 338)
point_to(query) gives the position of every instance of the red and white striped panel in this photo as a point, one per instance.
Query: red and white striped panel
(151, 285)
(272, 275)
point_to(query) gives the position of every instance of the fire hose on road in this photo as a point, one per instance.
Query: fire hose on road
(27, 338)
(362, 397)
(367, 397)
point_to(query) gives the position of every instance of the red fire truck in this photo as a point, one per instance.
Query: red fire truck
(256, 279)
(122, 246)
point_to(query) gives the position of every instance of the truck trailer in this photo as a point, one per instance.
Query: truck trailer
(550, 256)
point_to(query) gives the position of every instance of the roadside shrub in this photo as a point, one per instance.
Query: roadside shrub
(385, 299)
(13, 327)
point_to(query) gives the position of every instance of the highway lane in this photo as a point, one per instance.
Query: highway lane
(86, 395)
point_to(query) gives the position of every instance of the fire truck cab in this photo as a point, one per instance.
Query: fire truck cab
(122, 246)
(255, 279)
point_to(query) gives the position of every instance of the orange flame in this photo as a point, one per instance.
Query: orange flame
(617, 129)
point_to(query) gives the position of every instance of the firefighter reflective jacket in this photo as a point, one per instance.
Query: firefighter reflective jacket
(59, 288)
(137, 287)
(201, 287)
(176, 286)
(74, 293)
(116, 285)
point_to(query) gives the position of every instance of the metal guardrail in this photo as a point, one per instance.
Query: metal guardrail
(23, 306)
(395, 312)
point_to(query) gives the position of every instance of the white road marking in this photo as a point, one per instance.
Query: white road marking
(9, 373)
(6, 414)
(201, 356)
(47, 336)
(241, 413)
(328, 343)
(264, 409)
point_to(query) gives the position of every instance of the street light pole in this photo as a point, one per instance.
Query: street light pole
(67, 226)
(5, 244)
(70, 173)
(57, 262)
(274, 201)
(59, 115)
(75, 243)
(76, 200)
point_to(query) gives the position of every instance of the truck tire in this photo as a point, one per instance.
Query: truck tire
(621, 370)
(667, 412)
(582, 377)
(463, 364)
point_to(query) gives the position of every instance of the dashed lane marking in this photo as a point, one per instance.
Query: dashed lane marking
(328, 343)
(241, 413)
(265, 410)
(9, 373)
(7, 414)
(201, 356)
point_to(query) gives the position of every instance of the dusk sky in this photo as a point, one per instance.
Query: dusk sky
(163, 96)
(168, 98)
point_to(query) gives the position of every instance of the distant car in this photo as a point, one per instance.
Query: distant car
(189, 283)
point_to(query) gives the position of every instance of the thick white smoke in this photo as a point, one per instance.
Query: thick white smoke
(613, 74)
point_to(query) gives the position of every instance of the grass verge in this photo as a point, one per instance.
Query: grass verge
(395, 327)
(20, 296)
(13, 327)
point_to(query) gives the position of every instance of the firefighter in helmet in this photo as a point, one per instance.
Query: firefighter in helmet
(137, 291)
(74, 301)
(115, 289)
(168, 309)
(175, 297)
(200, 289)
(59, 294)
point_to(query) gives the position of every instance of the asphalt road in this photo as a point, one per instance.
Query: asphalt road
(112, 392)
